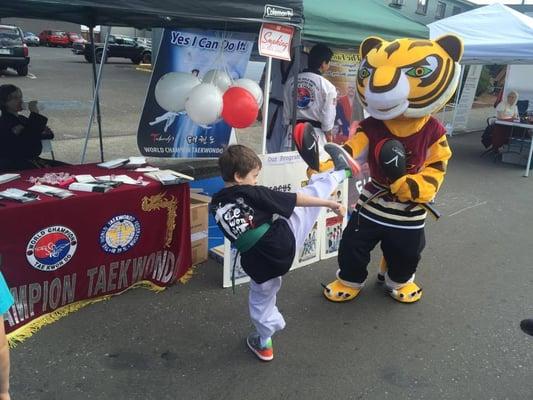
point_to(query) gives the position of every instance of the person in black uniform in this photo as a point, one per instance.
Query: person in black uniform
(20, 136)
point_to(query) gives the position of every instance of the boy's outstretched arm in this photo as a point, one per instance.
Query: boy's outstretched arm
(303, 200)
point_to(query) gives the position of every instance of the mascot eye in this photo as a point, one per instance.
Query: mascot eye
(419, 72)
(364, 73)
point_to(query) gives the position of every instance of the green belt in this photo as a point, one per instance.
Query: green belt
(249, 238)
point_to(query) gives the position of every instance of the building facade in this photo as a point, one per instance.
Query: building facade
(428, 11)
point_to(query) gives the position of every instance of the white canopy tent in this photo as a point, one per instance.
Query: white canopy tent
(494, 34)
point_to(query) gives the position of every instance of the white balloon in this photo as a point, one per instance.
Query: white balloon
(204, 104)
(172, 89)
(219, 78)
(252, 87)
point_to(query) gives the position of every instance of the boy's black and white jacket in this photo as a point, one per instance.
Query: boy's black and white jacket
(240, 208)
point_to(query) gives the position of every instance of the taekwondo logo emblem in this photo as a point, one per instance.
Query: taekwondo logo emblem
(304, 97)
(51, 248)
(120, 234)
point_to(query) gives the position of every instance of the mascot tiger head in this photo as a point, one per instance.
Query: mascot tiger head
(409, 77)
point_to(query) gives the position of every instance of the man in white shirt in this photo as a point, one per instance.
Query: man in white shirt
(317, 97)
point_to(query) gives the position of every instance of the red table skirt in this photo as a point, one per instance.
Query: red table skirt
(59, 255)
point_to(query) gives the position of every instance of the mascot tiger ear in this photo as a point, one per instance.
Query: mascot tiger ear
(368, 44)
(452, 45)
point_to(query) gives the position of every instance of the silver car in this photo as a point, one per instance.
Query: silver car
(31, 39)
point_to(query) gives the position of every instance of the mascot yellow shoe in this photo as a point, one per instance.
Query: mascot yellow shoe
(338, 292)
(409, 293)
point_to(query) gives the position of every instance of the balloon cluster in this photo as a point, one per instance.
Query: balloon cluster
(213, 97)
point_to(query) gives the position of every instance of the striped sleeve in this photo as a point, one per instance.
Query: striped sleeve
(423, 187)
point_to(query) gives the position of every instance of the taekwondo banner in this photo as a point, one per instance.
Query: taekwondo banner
(185, 58)
(59, 255)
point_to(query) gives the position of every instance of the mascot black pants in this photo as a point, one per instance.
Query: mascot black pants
(401, 249)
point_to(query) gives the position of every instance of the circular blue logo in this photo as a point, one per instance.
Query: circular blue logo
(51, 248)
(120, 234)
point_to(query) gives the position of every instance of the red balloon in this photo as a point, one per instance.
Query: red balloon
(240, 107)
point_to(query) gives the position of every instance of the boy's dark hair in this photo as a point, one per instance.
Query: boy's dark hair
(319, 53)
(237, 159)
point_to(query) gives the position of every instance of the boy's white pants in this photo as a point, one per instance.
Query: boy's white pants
(262, 298)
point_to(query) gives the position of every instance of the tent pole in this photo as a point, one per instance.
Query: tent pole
(96, 90)
(457, 98)
(296, 71)
(98, 113)
(266, 100)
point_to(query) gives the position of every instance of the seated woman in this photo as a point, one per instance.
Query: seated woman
(20, 137)
(506, 110)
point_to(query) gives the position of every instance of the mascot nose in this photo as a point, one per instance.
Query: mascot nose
(384, 79)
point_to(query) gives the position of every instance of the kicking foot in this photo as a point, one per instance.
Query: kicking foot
(338, 292)
(342, 159)
(409, 293)
(264, 353)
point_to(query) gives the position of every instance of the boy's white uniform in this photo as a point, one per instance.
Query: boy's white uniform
(262, 298)
(316, 103)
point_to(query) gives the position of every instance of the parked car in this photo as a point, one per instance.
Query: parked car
(13, 51)
(74, 37)
(54, 38)
(31, 39)
(118, 46)
(79, 47)
(143, 41)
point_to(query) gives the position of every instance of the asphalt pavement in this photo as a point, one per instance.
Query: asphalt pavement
(461, 341)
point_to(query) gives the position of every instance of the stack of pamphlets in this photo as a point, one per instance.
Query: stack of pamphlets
(131, 162)
(18, 195)
(119, 162)
(169, 177)
(8, 178)
(51, 191)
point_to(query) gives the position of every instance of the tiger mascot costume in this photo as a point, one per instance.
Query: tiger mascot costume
(400, 84)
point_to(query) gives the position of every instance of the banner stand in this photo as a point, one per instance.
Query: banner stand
(96, 98)
(266, 100)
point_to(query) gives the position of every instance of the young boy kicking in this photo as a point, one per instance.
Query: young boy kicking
(269, 227)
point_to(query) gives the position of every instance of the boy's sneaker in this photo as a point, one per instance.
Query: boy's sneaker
(342, 159)
(265, 353)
